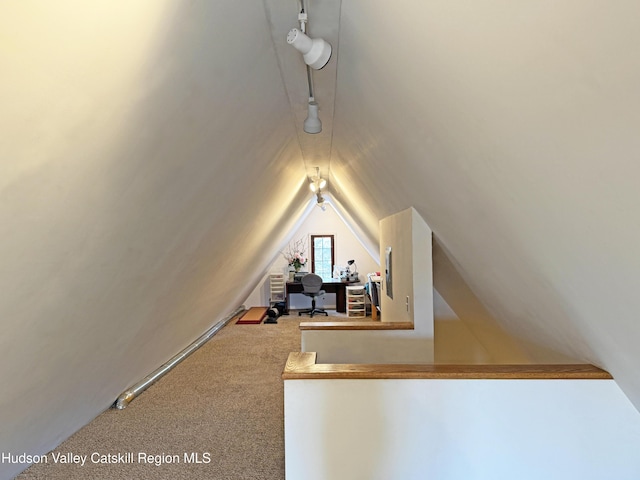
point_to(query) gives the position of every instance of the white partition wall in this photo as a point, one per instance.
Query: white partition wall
(407, 282)
(460, 430)
(409, 238)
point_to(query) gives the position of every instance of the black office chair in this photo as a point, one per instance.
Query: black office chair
(312, 283)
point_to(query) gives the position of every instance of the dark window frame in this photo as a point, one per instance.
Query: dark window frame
(313, 251)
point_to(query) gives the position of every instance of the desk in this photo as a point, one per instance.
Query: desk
(336, 286)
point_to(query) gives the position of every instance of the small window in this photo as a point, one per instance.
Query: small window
(322, 256)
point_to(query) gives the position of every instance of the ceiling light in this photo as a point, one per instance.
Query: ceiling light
(312, 123)
(317, 183)
(316, 52)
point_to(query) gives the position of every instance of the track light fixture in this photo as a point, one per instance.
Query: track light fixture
(316, 52)
(317, 184)
(312, 123)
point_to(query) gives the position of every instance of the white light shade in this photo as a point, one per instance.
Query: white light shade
(312, 123)
(316, 52)
(317, 184)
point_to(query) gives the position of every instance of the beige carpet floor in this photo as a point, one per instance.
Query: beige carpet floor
(225, 400)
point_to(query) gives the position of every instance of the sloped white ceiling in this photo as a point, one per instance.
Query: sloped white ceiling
(323, 22)
(152, 155)
(512, 127)
(149, 160)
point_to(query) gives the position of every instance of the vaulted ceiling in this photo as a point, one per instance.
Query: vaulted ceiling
(512, 129)
(153, 163)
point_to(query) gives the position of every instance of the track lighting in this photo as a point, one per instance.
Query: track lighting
(316, 52)
(317, 186)
(312, 123)
(317, 183)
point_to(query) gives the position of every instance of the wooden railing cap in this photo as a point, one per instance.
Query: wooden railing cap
(357, 325)
(302, 365)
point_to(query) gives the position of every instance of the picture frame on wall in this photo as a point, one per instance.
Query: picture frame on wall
(388, 272)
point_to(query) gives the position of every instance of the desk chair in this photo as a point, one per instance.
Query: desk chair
(374, 294)
(311, 283)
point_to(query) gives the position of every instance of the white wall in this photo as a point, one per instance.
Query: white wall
(410, 238)
(396, 232)
(142, 177)
(149, 171)
(512, 130)
(347, 247)
(368, 346)
(460, 429)
(469, 333)
(454, 342)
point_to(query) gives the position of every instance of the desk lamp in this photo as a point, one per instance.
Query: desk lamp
(352, 277)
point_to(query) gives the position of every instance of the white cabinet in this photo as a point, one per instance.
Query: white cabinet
(276, 288)
(355, 301)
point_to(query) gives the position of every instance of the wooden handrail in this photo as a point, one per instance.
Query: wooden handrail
(361, 325)
(302, 365)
